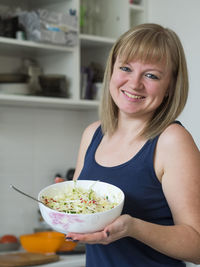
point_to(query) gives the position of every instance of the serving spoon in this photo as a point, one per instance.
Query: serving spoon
(33, 198)
(27, 195)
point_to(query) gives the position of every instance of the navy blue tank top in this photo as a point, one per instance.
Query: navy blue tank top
(144, 199)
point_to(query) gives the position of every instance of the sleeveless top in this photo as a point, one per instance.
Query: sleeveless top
(144, 199)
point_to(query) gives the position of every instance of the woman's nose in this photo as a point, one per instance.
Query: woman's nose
(135, 81)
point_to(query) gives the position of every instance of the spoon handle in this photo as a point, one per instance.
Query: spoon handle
(19, 191)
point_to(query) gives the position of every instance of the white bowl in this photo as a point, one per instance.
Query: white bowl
(81, 223)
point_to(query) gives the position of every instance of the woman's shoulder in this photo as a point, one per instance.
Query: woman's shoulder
(176, 136)
(85, 142)
(175, 149)
(91, 128)
(89, 131)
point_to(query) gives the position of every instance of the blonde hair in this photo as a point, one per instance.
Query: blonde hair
(148, 43)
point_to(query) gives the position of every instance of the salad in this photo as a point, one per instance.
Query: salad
(77, 200)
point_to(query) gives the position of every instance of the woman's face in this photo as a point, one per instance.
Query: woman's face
(139, 88)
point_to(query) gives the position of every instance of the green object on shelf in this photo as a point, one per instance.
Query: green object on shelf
(82, 16)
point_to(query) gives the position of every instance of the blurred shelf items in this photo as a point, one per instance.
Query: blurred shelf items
(62, 47)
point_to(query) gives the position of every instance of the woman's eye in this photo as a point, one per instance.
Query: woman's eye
(127, 69)
(151, 76)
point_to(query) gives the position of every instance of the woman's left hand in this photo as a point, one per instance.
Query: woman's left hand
(114, 231)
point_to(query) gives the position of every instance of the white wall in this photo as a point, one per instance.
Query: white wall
(35, 144)
(184, 18)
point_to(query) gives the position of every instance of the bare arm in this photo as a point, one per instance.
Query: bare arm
(85, 141)
(178, 161)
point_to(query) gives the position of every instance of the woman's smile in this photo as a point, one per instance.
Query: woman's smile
(132, 96)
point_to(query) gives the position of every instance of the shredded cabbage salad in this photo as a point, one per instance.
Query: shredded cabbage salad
(77, 200)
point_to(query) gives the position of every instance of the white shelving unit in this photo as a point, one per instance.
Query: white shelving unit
(137, 13)
(116, 17)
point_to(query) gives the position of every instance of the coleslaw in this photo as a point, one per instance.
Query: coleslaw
(77, 200)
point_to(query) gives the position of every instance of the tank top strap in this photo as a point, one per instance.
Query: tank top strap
(146, 153)
(96, 139)
(149, 149)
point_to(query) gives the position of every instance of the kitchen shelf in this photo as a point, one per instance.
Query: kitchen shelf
(136, 8)
(47, 102)
(14, 46)
(95, 41)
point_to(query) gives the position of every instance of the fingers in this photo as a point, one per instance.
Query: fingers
(93, 238)
(112, 232)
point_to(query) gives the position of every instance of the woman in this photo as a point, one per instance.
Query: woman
(138, 146)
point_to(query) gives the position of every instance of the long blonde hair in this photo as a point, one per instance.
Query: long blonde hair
(148, 43)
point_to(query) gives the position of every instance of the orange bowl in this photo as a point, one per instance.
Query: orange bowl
(42, 242)
(67, 246)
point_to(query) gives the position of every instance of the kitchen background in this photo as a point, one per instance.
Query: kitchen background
(39, 137)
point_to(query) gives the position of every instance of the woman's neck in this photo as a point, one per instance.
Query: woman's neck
(128, 125)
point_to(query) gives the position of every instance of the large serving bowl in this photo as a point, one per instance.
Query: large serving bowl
(81, 223)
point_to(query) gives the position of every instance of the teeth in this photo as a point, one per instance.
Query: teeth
(132, 96)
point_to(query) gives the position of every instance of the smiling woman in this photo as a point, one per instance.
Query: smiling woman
(149, 43)
(139, 147)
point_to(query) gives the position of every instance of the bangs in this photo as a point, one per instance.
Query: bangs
(147, 47)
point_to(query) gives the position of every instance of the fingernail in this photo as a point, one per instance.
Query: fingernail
(68, 238)
(108, 233)
(76, 240)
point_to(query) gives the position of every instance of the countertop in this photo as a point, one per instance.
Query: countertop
(77, 260)
(74, 260)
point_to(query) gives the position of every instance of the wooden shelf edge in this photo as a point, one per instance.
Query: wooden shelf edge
(47, 102)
